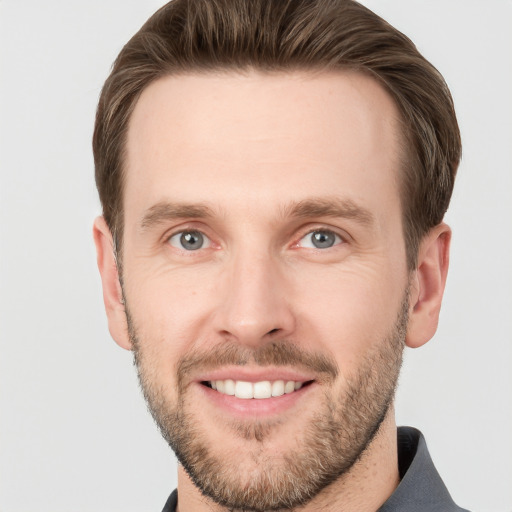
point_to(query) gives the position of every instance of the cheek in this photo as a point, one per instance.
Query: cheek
(342, 310)
(170, 312)
(348, 313)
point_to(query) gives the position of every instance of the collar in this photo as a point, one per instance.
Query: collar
(421, 488)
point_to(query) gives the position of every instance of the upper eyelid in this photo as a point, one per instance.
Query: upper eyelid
(298, 243)
(182, 228)
(181, 231)
(300, 233)
(203, 235)
(322, 229)
(345, 237)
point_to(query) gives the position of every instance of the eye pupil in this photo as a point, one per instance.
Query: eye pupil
(191, 240)
(323, 239)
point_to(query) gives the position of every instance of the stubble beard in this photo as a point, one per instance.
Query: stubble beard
(334, 439)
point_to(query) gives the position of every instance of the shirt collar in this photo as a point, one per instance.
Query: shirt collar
(421, 488)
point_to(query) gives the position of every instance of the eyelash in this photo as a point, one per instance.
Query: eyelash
(190, 231)
(339, 238)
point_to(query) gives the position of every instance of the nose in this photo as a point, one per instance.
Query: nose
(253, 301)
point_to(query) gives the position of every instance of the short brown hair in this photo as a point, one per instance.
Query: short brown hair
(279, 35)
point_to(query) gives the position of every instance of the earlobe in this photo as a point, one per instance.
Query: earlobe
(427, 286)
(112, 292)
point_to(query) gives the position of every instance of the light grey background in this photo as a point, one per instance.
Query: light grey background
(74, 432)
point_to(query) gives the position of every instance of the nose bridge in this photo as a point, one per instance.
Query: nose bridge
(253, 305)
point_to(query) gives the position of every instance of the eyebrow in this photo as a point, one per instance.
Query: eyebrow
(312, 207)
(329, 207)
(164, 211)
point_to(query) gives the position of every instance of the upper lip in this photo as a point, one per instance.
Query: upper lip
(258, 374)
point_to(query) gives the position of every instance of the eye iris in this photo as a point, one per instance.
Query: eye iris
(191, 240)
(322, 239)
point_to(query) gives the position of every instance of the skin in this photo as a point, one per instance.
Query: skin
(249, 147)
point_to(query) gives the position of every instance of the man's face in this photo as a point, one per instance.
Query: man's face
(263, 255)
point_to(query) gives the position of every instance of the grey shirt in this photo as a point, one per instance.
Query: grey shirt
(421, 488)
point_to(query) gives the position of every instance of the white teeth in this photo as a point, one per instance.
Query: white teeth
(229, 387)
(262, 389)
(278, 388)
(289, 387)
(244, 389)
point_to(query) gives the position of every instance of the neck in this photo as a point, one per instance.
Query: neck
(364, 488)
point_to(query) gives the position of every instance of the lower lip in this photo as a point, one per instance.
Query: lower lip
(259, 407)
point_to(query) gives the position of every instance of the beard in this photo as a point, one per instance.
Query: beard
(335, 437)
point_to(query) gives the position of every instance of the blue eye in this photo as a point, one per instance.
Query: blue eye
(189, 240)
(320, 239)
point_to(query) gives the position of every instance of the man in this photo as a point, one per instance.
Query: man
(274, 176)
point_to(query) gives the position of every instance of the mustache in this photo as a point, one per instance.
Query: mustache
(280, 353)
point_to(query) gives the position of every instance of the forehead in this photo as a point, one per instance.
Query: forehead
(275, 134)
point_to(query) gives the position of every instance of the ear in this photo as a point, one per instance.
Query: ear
(112, 293)
(427, 286)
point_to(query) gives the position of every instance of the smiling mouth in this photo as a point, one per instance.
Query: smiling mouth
(258, 390)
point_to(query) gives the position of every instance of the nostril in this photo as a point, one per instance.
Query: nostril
(273, 331)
